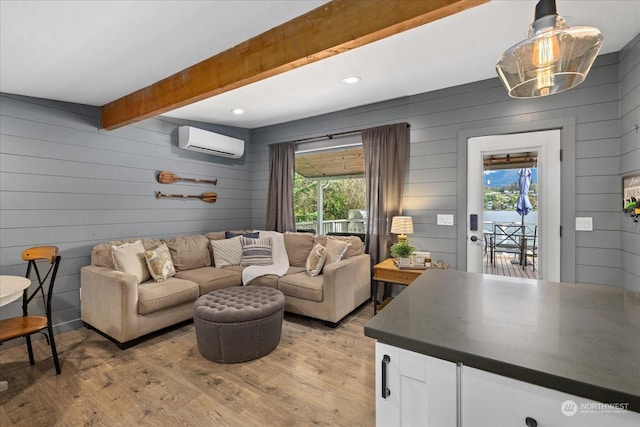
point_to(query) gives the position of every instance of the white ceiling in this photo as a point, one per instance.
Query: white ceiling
(92, 52)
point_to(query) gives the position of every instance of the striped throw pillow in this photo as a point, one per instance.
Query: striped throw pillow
(256, 251)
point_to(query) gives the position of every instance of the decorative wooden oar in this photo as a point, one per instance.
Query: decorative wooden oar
(205, 197)
(165, 177)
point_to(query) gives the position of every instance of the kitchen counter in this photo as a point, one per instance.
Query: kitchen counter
(579, 339)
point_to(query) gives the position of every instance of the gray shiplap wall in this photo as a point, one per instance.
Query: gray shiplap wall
(433, 173)
(66, 183)
(629, 72)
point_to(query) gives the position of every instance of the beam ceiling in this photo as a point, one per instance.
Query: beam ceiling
(333, 28)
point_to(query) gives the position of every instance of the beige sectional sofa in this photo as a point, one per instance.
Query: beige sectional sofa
(124, 306)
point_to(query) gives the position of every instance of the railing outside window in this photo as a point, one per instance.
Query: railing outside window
(334, 226)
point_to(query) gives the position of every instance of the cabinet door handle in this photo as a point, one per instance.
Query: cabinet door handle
(385, 391)
(531, 422)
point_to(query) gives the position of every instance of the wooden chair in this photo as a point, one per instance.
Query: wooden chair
(28, 325)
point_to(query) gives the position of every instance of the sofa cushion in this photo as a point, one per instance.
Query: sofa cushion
(129, 258)
(256, 251)
(101, 253)
(215, 235)
(211, 278)
(356, 247)
(303, 286)
(226, 252)
(298, 246)
(271, 280)
(315, 260)
(159, 263)
(336, 250)
(188, 252)
(154, 296)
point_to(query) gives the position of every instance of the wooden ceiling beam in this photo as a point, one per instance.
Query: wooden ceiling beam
(333, 28)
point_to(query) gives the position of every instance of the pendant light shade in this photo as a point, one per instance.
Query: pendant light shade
(553, 59)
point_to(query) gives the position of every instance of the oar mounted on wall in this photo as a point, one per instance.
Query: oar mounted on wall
(165, 177)
(205, 197)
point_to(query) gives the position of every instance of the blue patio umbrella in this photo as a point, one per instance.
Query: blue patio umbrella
(523, 205)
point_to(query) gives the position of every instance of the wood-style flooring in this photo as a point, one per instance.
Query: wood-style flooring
(507, 265)
(317, 376)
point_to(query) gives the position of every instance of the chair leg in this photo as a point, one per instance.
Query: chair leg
(54, 351)
(30, 350)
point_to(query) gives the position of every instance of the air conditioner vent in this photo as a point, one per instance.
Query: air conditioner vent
(195, 139)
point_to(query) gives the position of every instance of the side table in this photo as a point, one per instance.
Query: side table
(387, 272)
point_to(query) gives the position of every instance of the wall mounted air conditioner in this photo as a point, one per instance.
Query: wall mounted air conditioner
(190, 138)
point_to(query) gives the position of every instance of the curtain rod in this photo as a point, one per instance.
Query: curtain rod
(332, 135)
(328, 136)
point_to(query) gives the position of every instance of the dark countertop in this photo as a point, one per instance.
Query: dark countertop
(579, 339)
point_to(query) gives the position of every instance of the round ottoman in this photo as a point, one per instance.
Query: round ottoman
(238, 324)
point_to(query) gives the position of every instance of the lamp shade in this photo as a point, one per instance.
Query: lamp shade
(402, 225)
(553, 59)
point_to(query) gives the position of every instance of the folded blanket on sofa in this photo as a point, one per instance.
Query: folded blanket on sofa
(280, 259)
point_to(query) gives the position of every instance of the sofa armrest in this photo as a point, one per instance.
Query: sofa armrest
(347, 284)
(109, 301)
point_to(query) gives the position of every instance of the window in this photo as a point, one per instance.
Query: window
(330, 191)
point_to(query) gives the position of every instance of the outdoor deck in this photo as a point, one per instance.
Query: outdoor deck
(504, 267)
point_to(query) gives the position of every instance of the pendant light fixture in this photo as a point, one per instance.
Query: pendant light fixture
(553, 59)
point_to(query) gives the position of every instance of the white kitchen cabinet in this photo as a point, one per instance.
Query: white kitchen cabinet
(493, 400)
(420, 391)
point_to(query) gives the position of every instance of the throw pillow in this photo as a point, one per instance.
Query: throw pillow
(226, 252)
(159, 263)
(336, 250)
(230, 234)
(316, 259)
(256, 251)
(129, 258)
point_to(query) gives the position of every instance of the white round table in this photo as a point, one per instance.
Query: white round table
(11, 288)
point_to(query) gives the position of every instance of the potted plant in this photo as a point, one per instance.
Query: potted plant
(402, 250)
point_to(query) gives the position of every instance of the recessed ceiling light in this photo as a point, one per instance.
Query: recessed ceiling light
(351, 80)
(237, 111)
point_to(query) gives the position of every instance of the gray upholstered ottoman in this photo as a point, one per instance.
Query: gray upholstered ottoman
(238, 324)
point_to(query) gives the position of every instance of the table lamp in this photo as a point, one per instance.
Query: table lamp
(402, 225)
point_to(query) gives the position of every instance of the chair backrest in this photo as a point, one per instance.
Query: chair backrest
(531, 233)
(508, 234)
(32, 255)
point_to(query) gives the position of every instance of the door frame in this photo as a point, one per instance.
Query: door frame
(547, 146)
(567, 127)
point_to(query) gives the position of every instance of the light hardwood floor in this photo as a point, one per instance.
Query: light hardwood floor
(316, 376)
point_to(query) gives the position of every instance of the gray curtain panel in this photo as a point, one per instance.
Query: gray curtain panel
(280, 216)
(385, 152)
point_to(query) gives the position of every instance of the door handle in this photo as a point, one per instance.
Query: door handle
(385, 391)
(474, 238)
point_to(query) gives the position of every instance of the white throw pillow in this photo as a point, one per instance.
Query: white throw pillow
(336, 250)
(316, 259)
(129, 258)
(226, 252)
